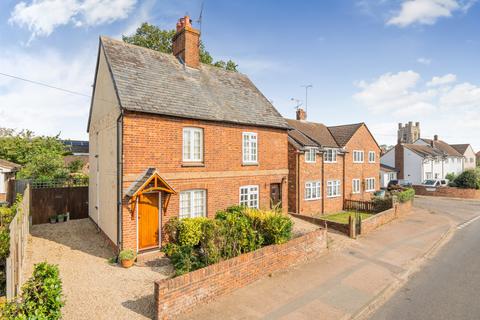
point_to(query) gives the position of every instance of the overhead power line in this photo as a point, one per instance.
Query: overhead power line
(46, 85)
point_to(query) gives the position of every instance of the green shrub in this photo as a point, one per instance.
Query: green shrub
(170, 248)
(277, 229)
(212, 241)
(451, 177)
(468, 179)
(240, 237)
(186, 259)
(406, 195)
(382, 204)
(190, 231)
(171, 228)
(41, 297)
(126, 254)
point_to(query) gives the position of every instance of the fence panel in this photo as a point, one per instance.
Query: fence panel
(48, 202)
(19, 230)
(366, 206)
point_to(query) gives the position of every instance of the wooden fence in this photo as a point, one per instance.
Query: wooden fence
(19, 230)
(48, 202)
(356, 205)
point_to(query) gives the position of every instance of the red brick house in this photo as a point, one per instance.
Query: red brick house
(330, 164)
(171, 137)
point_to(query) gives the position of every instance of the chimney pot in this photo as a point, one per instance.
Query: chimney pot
(400, 125)
(435, 137)
(301, 114)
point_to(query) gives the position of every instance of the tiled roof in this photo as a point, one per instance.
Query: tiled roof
(76, 146)
(138, 183)
(342, 134)
(461, 148)
(9, 165)
(444, 147)
(153, 82)
(386, 168)
(424, 151)
(315, 132)
(302, 139)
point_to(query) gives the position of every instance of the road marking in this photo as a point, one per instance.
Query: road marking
(466, 223)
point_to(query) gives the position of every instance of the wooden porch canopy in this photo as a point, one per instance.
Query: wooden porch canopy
(149, 181)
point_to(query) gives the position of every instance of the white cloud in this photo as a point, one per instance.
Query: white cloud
(427, 11)
(424, 61)
(439, 81)
(41, 17)
(440, 103)
(44, 110)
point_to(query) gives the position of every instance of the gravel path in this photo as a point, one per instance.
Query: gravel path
(93, 288)
(301, 227)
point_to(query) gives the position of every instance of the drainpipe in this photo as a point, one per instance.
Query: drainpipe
(119, 178)
(323, 182)
(297, 182)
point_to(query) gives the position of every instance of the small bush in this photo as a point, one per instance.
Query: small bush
(190, 231)
(451, 177)
(186, 259)
(41, 297)
(277, 229)
(171, 228)
(240, 237)
(382, 204)
(212, 241)
(126, 254)
(468, 179)
(406, 195)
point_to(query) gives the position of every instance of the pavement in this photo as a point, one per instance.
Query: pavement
(447, 286)
(345, 282)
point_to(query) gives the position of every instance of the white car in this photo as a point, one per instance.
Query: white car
(435, 183)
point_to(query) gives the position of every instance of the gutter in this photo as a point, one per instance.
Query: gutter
(119, 178)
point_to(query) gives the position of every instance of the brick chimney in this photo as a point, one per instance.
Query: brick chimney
(186, 43)
(399, 161)
(301, 114)
(435, 137)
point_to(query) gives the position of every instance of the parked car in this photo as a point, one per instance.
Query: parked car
(400, 183)
(435, 183)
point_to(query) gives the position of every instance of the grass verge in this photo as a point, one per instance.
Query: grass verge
(342, 217)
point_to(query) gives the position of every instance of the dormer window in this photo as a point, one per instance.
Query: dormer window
(330, 156)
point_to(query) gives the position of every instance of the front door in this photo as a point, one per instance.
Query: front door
(275, 195)
(148, 221)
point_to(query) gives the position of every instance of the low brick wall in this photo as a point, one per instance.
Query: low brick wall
(447, 192)
(372, 223)
(177, 295)
(343, 228)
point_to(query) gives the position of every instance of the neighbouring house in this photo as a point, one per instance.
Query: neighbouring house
(470, 158)
(478, 157)
(387, 174)
(78, 150)
(330, 164)
(424, 159)
(172, 137)
(7, 173)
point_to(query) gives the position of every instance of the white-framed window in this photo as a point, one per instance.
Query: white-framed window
(313, 190)
(392, 176)
(333, 188)
(371, 156)
(356, 186)
(249, 196)
(311, 155)
(193, 203)
(192, 144)
(369, 184)
(428, 175)
(357, 156)
(330, 155)
(250, 147)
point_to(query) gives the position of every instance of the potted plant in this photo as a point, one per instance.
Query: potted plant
(126, 257)
(53, 219)
(61, 218)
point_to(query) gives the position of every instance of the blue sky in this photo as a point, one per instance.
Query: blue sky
(379, 62)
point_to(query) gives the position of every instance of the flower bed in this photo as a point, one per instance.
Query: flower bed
(199, 242)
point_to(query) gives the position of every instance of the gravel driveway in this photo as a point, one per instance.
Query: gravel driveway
(93, 288)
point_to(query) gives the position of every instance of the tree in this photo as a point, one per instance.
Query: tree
(152, 37)
(41, 157)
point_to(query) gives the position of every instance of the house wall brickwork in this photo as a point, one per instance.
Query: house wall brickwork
(156, 141)
(180, 294)
(363, 141)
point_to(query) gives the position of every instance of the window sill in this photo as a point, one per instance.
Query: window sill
(330, 162)
(359, 162)
(313, 199)
(247, 164)
(369, 190)
(193, 164)
(330, 197)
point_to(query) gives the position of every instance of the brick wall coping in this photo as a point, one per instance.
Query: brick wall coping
(448, 192)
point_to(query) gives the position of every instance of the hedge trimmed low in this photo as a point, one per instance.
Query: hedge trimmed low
(198, 242)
